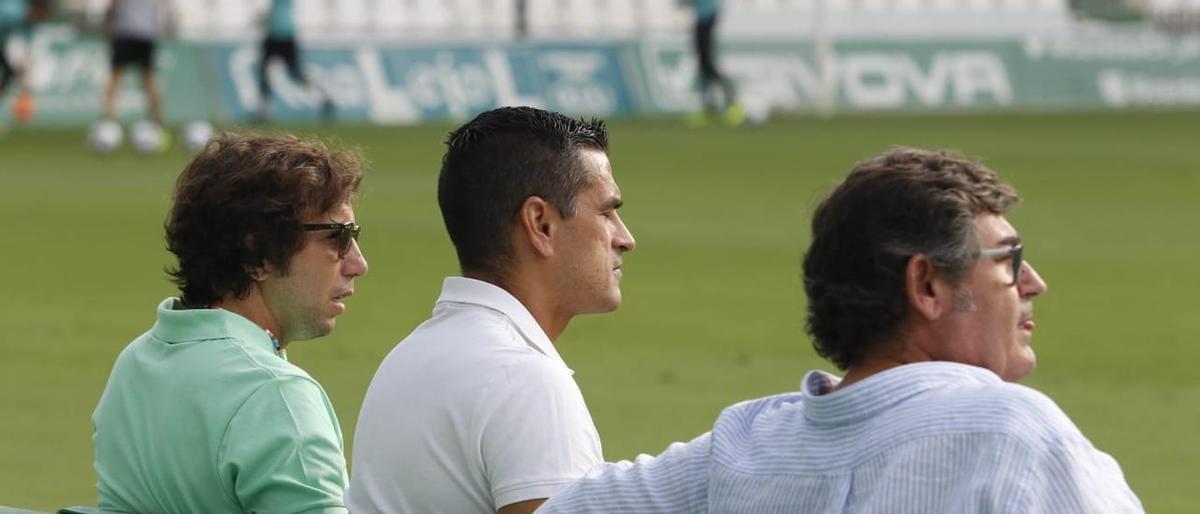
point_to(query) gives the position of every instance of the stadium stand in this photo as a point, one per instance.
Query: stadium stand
(897, 18)
(609, 19)
(1174, 15)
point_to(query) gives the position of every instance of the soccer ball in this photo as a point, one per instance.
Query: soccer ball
(105, 136)
(196, 135)
(147, 137)
(758, 111)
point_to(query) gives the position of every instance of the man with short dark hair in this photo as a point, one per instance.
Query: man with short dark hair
(204, 413)
(918, 289)
(475, 411)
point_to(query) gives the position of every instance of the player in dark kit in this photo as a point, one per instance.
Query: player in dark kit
(712, 81)
(134, 27)
(280, 43)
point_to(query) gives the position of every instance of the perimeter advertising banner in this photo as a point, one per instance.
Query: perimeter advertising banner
(396, 83)
(368, 82)
(409, 84)
(1110, 71)
(68, 76)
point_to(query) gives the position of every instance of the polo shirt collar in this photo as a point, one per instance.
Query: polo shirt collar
(882, 390)
(177, 324)
(484, 294)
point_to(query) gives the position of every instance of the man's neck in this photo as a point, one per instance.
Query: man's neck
(901, 353)
(536, 299)
(859, 372)
(254, 309)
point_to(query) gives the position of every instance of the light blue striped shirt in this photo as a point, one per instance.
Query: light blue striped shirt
(921, 438)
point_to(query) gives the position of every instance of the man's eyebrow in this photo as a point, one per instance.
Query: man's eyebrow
(1010, 241)
(614, 203)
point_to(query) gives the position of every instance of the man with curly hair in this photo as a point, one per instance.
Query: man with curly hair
(204, 413)
(918, 289)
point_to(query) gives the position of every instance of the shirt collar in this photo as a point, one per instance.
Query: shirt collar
(177, 324)
(484, 294)
(882, 390)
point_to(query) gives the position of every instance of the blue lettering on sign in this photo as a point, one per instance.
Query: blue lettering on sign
(410, 84)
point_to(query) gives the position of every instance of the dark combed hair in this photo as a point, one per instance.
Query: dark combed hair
(498, 160)
(239, 204)
(903, 203)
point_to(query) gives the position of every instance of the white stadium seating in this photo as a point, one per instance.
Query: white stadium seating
(607, 19)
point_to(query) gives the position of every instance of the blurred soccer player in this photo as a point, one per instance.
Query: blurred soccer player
(713, 83)
(918, 289)
(134, 27)
(17, 17)
(475, 411)
(204, 413)
(279, 42)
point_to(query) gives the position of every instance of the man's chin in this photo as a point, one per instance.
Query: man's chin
(1024, 365)
(609, 304)
(614, 301)
(316, 331)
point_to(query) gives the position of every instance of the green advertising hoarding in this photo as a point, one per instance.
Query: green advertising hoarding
(1080, 72)
(68, 76)
(397, 83)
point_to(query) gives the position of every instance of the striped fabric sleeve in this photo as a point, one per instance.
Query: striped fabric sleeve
(1072, 476)
(674, 481)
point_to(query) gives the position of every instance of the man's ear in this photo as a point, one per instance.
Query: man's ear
(256, 272)
(260, 272)
(536, 223)
(928, 294)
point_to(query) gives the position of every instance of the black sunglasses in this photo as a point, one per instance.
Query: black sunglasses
(1017, 252)
(346, 232)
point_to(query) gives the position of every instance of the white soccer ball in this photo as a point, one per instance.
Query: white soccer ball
(196, 135)
(146, 137)
(758, 111)
(105, 136)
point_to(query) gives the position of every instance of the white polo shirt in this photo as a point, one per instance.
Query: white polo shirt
(473, 411)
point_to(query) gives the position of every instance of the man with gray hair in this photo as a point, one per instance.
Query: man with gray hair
(918, 289)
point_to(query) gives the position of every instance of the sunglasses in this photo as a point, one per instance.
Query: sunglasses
(346, 232)
(1017, 252)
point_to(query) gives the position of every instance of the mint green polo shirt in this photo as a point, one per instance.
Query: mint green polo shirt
(200, 415)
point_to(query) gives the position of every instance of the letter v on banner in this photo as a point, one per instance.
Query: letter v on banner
(929, 89)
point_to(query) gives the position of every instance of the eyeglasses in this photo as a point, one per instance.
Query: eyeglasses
(1017, 252)
(346, 232)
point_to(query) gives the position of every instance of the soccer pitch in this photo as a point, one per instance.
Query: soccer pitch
(713, 306)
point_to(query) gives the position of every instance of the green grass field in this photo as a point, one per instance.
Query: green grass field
(713, 308)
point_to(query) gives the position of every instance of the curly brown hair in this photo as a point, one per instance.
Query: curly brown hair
(239, 204)
(903, 203)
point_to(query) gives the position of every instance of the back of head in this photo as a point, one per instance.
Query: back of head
(499, 159)
(239, 205)
(903, 203)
